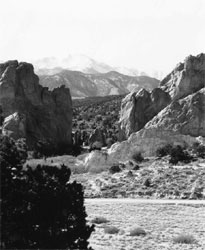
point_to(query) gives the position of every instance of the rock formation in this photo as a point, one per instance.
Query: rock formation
(181, 120)
(186, 78)
(32, 111)
(139, 108)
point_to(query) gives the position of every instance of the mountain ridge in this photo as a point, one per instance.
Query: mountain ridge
(100, 84)
(86, 64)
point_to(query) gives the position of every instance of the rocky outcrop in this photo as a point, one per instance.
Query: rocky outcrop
(187, 78)
(30, 110)
(179, 123)
(139, 108)
(169, 126)
(181, 120)
(15, 125)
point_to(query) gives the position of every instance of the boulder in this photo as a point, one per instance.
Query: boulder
(32, 111)
(139, 108)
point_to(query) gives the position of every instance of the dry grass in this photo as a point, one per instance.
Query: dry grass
(67, 160)
(184, 239)
(111, 230)
(161, 222)
(97, 169)
(137, 231)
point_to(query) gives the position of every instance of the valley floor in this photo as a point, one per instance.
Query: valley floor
(161, 221)
(155, 179)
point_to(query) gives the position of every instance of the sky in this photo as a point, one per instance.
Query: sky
(142, 34)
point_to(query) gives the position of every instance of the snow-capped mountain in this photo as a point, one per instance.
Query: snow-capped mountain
(101, 84)
(77, 62)
(88, 77)
(71, 62)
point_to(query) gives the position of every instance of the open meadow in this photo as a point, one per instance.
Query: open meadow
(162, 221)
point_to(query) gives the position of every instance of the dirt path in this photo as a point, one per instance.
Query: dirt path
(149, 201)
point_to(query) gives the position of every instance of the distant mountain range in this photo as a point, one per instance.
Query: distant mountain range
(85, 64)
(86, 77)
(85, 85)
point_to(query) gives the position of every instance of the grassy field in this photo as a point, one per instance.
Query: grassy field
(164, 225)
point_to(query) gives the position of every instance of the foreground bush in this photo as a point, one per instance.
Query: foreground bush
(111, 230)
(137, 157)
(184, 239)
(163, 151)
(199, 150)
(40, 209)
(137, 232)
(136, 167)
(115, 169)
(178, 154)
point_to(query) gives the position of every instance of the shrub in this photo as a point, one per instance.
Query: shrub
(184, 239)
(122, 165)
(137, 157)
(147, 182)
(12, 153)
(136, 167)
(76, 150)
(48, 148)
(129, 174)
(137, 232)
(199, 150)
(163, 151)
(39, 208)
(99, 220)
(111, 230)
(114, 169)
(178, 154)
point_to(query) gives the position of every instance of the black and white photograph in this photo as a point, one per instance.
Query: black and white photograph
(102, 124)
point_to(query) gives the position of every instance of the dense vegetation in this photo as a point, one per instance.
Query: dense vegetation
(96, 113)
(40, 209)
(181, 154)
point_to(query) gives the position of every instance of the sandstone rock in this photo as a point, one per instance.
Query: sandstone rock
(96, 159)
(181, 123)
(186, 78)
(15, 126)
(139, 108)
(47, 115)
(185, 116)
